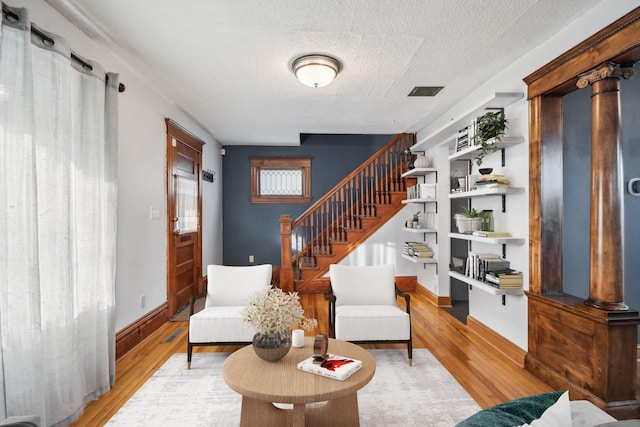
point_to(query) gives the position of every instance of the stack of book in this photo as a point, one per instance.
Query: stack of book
(479, 265)
(462, 141)
(417, 250)
(471, 181)
(492, 181)
(421, 191)
(465, 136)
(504, 279)
(412, 192)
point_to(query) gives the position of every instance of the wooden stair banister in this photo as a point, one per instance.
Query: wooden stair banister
(367, 192)
(286, 268)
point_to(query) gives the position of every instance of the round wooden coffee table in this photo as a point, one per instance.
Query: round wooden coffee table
(263, 383)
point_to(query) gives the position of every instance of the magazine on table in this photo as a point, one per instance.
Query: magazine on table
(334, 366)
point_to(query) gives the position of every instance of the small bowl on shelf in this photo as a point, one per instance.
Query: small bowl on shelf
(485, 171)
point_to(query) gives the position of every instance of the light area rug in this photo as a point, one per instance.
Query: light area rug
(424, 394)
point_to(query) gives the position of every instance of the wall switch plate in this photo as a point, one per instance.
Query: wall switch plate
(154, 212)
(142, 301)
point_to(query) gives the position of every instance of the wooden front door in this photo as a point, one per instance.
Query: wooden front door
(184, 205)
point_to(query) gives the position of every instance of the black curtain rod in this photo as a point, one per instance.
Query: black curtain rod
(50, 42)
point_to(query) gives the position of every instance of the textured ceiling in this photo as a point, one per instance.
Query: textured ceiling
(227, 63)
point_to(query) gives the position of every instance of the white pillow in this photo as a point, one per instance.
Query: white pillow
(556, 415)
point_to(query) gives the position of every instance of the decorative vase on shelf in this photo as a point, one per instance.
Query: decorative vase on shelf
(421, 161)
(487, 220)
(272, 346)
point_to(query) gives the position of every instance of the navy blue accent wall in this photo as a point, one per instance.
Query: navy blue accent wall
(577, 192)
(630, 97)
(577, 173)
(254, 228)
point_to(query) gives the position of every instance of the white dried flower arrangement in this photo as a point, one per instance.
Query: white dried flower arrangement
(273, 310)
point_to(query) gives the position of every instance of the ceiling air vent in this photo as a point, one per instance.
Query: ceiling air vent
(425, 90)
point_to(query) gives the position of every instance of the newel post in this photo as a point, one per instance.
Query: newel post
(286, 268)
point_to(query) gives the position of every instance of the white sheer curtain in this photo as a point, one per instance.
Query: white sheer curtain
(57, 227)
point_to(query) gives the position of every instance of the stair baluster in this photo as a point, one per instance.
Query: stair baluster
(335, 225)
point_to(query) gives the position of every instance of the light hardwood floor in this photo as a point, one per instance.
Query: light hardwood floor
(488, 377)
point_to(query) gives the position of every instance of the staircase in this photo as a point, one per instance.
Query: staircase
(343, 219)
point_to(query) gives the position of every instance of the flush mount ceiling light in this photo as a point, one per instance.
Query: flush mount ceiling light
(316, 70)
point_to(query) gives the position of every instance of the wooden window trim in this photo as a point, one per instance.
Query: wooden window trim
(283, 163)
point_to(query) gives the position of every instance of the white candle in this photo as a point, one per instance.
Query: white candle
(297, 338)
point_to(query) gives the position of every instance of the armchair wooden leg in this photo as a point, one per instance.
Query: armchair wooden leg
(189, 351)
(410, 351)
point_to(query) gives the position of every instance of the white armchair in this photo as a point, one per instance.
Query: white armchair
(363, 306)
(228, 290)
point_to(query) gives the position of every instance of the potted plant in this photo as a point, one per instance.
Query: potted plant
(489, 130)
(469, 221)
(273, 313)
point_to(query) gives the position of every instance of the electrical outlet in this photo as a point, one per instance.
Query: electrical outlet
(142, 301)
(251, 258)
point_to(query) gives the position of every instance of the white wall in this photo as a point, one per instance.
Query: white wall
(141, 242)
(510, 320)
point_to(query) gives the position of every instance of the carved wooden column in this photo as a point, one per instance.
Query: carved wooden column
(606, 286)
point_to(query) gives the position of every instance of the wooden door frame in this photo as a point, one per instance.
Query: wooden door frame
(175, 131)
(608, 337)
